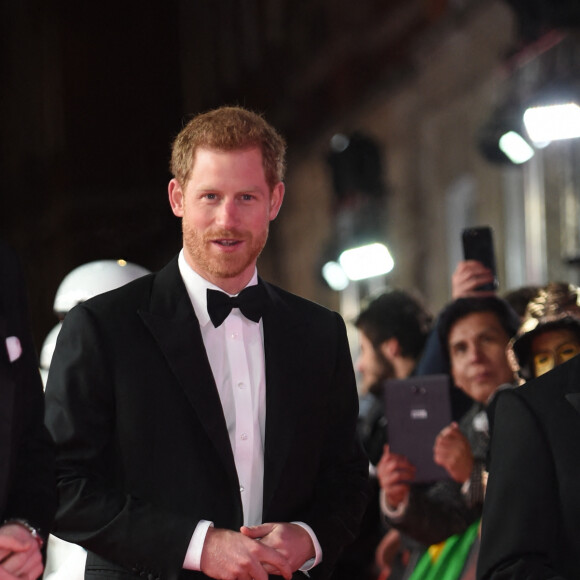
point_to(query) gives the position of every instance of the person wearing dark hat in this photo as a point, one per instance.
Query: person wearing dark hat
(531, 516)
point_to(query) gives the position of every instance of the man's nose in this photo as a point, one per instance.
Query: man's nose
(475, 352)
(227, 214)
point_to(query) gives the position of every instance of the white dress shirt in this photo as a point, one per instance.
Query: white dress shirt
(235, 350)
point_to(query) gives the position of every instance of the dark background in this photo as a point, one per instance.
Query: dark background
(92, 94)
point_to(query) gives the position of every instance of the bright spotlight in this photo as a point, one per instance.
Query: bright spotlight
(553, 122)
(335, 276)
(366, 261)
(515, 147)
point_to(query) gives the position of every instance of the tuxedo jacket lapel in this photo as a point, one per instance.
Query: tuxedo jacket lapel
(573, 388)
(574, 400)
(282, 340)
(172, 322)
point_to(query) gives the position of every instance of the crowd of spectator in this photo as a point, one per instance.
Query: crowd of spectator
(488, 345)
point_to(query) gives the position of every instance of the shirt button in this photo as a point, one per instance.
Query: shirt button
(241, 488)
(234, 335)
(241, 385)
(243, 436)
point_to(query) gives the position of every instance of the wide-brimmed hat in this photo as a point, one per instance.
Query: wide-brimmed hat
(555, 306)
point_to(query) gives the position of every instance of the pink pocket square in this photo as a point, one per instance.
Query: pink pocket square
(13, 348)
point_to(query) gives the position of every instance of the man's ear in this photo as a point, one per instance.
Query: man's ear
(390, 348)
(276, 198)
(176, 197)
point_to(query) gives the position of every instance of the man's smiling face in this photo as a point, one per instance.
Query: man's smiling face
(226, 206)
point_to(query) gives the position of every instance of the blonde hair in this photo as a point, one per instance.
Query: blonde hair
(229, 129)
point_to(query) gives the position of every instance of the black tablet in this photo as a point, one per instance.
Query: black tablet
(417, 409)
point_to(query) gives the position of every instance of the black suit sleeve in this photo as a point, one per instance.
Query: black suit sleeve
(94, 511)
(31, 486)
(521, 511)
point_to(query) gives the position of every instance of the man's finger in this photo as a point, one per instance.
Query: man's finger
(11, 544)
(273, 560)
(6, 575)
(256, 532)
(272, 570)
(25, 565)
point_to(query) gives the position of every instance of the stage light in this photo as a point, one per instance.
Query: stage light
(515, 147)
(335, 276)
(366, 261)
(553, 122)
(501, 138)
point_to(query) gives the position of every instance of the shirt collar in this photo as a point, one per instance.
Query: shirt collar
(197, 286)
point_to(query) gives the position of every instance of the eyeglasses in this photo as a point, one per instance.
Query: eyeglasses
(546, 361)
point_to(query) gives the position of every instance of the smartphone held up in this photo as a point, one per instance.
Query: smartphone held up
(478, 245)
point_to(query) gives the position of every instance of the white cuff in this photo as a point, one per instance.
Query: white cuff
(394, 514)
(193, 555)
(309, 564)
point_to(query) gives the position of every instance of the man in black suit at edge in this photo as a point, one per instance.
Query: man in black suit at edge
(531, 514)
(201, 439)
(27, 486)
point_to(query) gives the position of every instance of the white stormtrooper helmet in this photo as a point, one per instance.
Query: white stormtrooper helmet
(94, 278)
(47, 351)
(81, 284)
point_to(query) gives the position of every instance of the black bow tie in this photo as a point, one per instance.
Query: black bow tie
(250, 301)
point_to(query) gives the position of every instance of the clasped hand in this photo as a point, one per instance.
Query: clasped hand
(255, 552)
(20, 556)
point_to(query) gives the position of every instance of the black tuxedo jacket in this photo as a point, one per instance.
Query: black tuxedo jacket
(27, 484)
(531, 516)
(143, 449)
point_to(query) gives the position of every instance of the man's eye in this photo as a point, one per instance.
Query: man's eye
(247, 196)
(210, 196)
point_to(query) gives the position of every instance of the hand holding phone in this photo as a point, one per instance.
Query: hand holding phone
(470, 275)
(478, 246)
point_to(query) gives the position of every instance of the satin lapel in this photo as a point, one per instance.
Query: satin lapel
(574, 400)
(282, 339)
(173, 323)
(573, 387)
